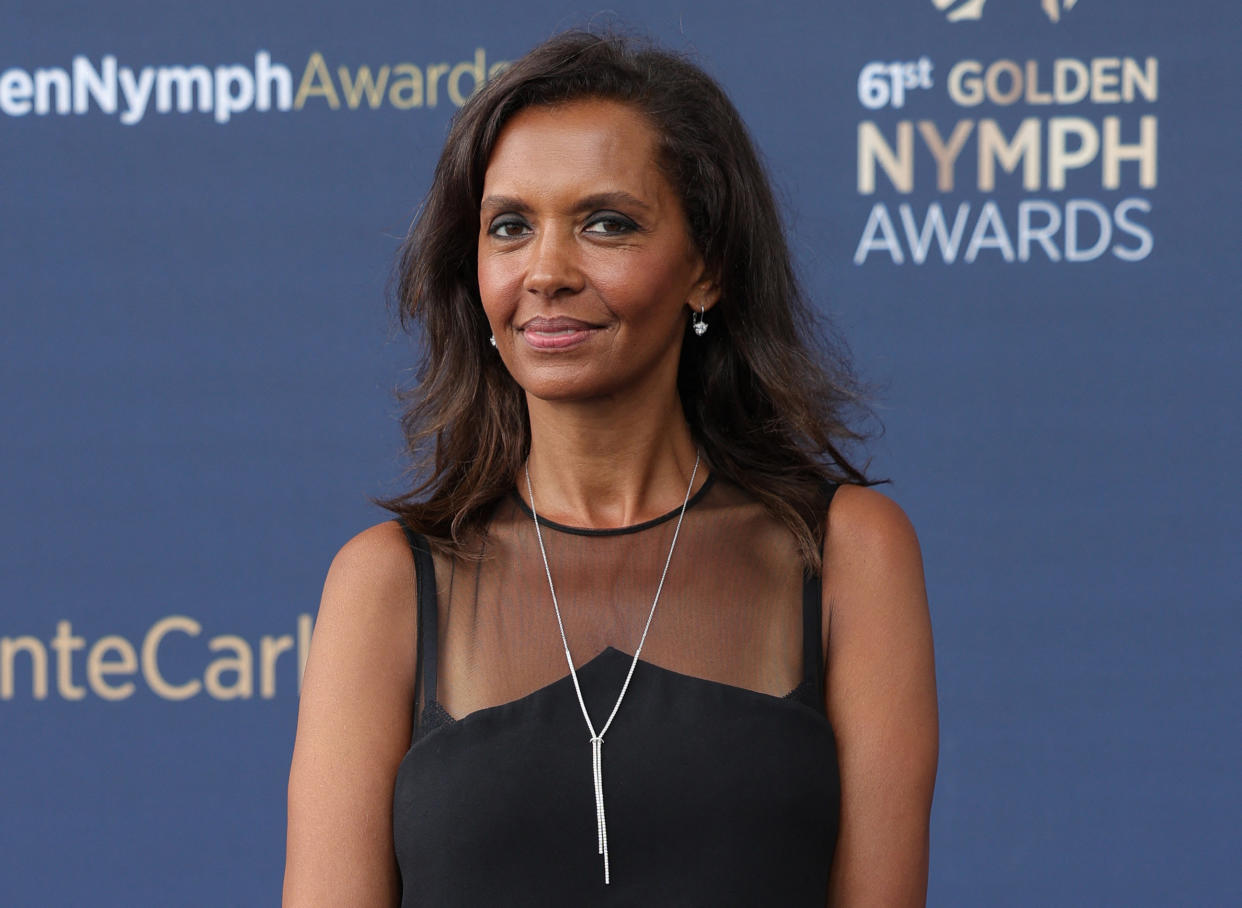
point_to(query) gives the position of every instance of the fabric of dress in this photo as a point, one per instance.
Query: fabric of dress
(720, 769)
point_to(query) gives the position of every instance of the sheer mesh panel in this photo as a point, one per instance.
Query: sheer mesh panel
(730, 612)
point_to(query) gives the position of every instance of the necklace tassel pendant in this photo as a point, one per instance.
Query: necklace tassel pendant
(601, 825)
(597, 740)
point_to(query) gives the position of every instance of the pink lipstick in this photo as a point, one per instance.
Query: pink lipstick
(556, 333)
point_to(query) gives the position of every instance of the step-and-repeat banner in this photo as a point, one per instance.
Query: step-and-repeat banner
(1022, 215)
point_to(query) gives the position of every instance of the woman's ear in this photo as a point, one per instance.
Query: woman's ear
(704, 294)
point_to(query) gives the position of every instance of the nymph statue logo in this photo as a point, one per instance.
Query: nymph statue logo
(973, 9)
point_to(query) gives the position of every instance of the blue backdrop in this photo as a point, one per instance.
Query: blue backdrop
(1023, 215)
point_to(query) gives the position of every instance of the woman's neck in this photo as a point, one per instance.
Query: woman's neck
(609, 465)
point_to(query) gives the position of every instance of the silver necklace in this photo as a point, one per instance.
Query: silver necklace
(597, 738)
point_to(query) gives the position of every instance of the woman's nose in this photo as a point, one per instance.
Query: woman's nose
(553, 268)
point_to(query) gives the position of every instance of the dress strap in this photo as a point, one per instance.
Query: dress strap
(428, 616)
(813, 658)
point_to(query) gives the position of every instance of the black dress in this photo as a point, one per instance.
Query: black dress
(720, 769)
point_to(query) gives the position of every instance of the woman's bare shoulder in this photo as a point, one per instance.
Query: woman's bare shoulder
(873, 583)
(366, 622)
(868, 541)
(377, 561)
(866, 517)
(363, 649)
(367, 619)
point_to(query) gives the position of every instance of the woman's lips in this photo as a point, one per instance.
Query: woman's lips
(556, 333)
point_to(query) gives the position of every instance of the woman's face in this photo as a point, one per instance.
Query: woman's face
(586, 268)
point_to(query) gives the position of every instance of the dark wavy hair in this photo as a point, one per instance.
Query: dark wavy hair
(768, 398)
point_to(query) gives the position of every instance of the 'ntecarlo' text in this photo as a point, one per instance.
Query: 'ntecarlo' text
(1053, 154)
(225, 666)
(132, 93)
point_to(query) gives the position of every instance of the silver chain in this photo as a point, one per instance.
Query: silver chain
(597, 739)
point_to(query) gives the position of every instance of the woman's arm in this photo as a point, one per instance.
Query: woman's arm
(881, 699)
(353, 728)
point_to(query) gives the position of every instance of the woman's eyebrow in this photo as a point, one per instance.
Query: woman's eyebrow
(615, 198)
(503, 203)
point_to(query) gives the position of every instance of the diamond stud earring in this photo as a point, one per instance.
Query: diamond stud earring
(492, 339)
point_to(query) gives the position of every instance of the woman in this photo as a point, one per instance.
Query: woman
(668, 648)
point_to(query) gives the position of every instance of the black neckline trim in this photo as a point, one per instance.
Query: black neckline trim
(616, 531)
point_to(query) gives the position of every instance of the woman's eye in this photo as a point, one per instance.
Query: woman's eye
(507, 229)
(609, 224)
